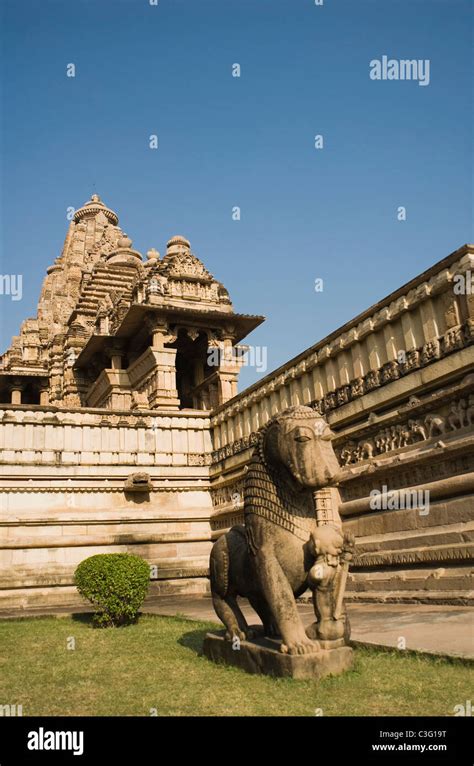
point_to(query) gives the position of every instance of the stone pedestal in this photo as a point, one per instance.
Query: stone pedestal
(262, 655)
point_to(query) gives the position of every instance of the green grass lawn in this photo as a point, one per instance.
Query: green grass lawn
(157, 663)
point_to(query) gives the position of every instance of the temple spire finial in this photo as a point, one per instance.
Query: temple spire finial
(94, 206)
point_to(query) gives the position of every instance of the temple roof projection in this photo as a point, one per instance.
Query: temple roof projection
(114, 330)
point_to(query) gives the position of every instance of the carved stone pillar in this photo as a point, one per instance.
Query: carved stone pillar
(159, 330)
(16, 389)
(116, 354)
(227, 386)
(229, 367)
(163, 394)
(44, 395)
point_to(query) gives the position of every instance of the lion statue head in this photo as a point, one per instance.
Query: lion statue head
(299, 441)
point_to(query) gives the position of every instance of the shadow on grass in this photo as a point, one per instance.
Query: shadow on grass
(193, 640)
(88, 618)
(85, 617)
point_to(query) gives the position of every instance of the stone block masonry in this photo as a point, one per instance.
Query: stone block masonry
(64, 498)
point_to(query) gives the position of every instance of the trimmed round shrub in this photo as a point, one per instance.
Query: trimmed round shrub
(116, 583)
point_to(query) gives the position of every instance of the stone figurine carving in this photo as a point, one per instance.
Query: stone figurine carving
(435, 424)
(470, 410)
(291, 540)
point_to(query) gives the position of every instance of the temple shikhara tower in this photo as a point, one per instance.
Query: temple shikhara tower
(121, 428)
(118, 332)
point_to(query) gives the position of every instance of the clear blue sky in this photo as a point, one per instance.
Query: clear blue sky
(225, 141)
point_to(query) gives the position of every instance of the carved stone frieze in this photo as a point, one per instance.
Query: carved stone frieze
(410, 431)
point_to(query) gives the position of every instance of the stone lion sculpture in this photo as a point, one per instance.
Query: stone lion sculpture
(291, 539)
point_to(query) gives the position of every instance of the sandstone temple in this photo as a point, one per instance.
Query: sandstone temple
(118, 433)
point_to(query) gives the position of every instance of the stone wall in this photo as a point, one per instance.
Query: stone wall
(63, 498)
(397, 386)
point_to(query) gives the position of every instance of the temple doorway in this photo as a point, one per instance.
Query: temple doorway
(191, 366)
